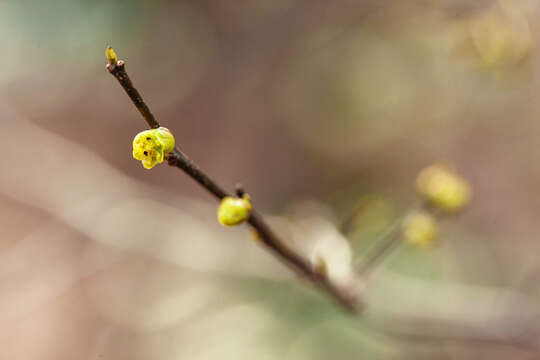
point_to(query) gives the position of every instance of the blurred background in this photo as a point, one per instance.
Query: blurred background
(323, 110)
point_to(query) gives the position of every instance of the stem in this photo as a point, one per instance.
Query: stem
(390, 240)
(344, 296)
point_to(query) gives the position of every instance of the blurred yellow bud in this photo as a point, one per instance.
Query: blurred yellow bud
(501, 35)
(111, 55)
(443, 188)
(233, 211)
(255, 236)
(151, 146)
(420, 229)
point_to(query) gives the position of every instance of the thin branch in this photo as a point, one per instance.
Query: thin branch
(344, 296)
(390, 239)
(119, 72)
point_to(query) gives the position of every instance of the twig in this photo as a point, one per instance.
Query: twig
(344, 296)
(389, 240)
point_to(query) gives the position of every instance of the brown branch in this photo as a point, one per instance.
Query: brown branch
(344, 296)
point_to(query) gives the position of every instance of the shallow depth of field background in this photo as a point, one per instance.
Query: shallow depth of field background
(321, 109)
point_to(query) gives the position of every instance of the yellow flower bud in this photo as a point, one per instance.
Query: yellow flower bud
(151, 146)
(255, 236)
(420, 229)
(111, 55)
(501, 35)
(233, 211)
(443, 188)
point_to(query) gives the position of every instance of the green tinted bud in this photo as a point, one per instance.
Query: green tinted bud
(233, 211)
(151, 146)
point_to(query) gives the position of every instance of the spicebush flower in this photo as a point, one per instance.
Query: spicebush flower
(233, 211)
(151, 146)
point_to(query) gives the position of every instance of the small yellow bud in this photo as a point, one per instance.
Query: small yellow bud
(419, 229)
(233, 211)
(443, 188)
(255, 236)
(502, 35)
(111, 55)
(151, 146)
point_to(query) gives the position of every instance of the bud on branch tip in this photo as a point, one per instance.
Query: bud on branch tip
(111, 55)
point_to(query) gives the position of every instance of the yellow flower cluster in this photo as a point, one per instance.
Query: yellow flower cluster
(151, 146)
(443, 188)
